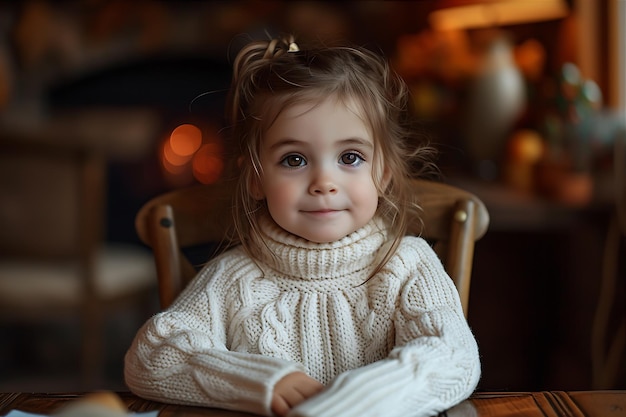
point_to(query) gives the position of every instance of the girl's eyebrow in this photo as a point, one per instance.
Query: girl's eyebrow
(286, 142)
(354, 141)
(357, 141)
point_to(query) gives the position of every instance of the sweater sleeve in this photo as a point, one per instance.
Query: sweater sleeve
(434, 364)
(181, 356)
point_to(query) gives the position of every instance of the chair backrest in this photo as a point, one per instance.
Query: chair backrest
(452, 220)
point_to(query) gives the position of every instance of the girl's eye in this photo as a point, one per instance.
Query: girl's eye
(293, 161)
(351, 158)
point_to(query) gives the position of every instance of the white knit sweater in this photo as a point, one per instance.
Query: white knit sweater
(395, 345)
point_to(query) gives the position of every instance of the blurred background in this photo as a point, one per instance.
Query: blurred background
(107, 103)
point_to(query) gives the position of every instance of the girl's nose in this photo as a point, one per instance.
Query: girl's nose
(322, 184)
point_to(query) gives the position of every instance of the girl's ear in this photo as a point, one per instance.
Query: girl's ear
(255, 188)
(386, 178)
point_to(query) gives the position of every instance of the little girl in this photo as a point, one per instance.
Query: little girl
(324, 308)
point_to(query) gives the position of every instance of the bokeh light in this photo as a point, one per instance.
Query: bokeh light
(172, 157)
(207, 163)
(191, 154)
(185, 140)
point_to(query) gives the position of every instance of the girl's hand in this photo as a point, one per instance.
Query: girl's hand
(291, 390)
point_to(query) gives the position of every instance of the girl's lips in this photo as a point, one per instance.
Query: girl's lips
(321, 212)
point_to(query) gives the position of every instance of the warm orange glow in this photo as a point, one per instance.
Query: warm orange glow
(188, 155)
(185, 140)
(171, 157)
(489, 13)
(173, 169)
(207, 163)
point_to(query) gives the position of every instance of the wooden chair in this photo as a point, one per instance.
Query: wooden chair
(453, 219)
(55, 266)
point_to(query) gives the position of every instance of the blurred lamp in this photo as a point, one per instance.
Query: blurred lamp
(471, 14)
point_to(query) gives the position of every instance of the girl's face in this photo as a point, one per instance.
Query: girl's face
(317, 171)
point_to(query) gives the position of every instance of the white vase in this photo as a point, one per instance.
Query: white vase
(496, 100)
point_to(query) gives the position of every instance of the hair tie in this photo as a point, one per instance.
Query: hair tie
(276, 47)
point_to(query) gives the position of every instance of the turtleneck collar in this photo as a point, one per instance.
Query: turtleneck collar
(301, 259)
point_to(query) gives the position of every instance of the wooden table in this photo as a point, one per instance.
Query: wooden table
(482, 404)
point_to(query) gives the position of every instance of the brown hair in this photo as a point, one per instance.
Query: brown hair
(268, 76)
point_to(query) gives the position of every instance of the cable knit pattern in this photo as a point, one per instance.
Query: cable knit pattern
(395, 345)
